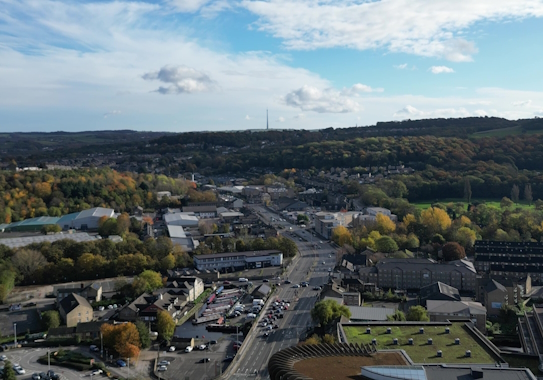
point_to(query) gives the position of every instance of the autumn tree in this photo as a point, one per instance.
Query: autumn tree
(453, 251)
(341, 236)
(385, 226)
(168, 262)
(465, 236)
(467, 190)
(515, 193)
(436, 220)
(123, 224)
(418, 314)
(165, 325)
(124, 338)
(147, 281)
(528, 193)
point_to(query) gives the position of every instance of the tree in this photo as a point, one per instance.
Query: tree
(515, 193)
(143, 331)
(435, 220)
(147, 281)
(327, 311)
(466, 237)
(385, 226)
(109, 227)
(417, 313)
(124, 338)
(50, 319)
(386, 244)
(168, 262)
(453, 251)
(397, 316)
(123, 224)
(528, 193)
(27, 261)
(9, 373)
(165, 325)
(467, 190)
(506, 202)
(341, 236)
(301, 218)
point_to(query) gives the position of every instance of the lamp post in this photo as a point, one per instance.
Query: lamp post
(48, 360)
(15, 333)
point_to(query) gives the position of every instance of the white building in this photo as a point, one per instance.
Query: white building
(181, 219)
(249, 260)
(86, 219)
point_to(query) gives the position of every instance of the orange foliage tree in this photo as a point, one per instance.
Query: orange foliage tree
(123, 338)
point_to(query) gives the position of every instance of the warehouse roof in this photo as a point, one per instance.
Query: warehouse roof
(168, 218)
(176, 232)
(97, 212)
(39, 221)
(364, 313)
(27, 240)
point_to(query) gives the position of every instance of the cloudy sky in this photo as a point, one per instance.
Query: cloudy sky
(184, 65)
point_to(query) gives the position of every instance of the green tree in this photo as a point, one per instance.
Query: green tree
(165, 325)
(515, 193)
(506, 202)
(147, 281)
(50, 319)
(9, 373)
(397, 316)
(467, 190)
(417, 313)
(301, 218)
(168, 262)
(327, 311)
(528, 193)
(453, 251)
(143, 331)
(386, 244)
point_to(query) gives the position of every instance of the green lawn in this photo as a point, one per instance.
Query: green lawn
(491, 203)
(420, 351)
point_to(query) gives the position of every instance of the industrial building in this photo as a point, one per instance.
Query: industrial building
(178, 236)
(27, 240)
(236, 260)
(181, 219)
(86, 219)
(31, 225)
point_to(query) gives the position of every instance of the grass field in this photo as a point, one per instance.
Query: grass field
(491, 203)
(420, 351)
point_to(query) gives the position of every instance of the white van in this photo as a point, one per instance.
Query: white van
(243, 279)
(188, 349)
(251, 316)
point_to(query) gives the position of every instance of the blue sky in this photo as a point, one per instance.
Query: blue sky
(189, 65)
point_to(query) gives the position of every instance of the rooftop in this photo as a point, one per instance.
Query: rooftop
(27, 240)
(420, 351)
(231, 254)
(364, 313)
(176, 232)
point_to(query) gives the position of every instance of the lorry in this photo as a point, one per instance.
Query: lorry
(258, 302)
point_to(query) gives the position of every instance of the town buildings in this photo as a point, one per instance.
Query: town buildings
(75, 309)
(236, 260)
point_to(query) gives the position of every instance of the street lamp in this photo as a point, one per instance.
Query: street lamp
(15, 332)
(48, 360)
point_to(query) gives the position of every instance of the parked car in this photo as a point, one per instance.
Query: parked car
(3, 357)
(228, 359)
(94, 348)
(162, 368)
(97, 372)
(43, 376)
(121, 363)
(36, 376)
(18, 369)
(202, 347)
(163, 362)
(52, 375)
(100, 308)
(212, 342)
(316, 288)
(276, 326)
(266, 334)
(265, 280)
(288, 282)
(188, 349)
(226, 282)
(296, 286)
(171, 349)
(205, 360)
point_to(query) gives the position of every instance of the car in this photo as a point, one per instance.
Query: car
(100, 308)
(20, 370)
(205, 360)
(162, 368)
(228, 359)
(202, 347)
(264, 323)
(3, 357)
(36, 376)
(281, 315)
(212, 342)
(226, 282)
(110, 307)
(278, 284)
(276, 326)
(94, 348)
(163, 362)
(329, 255)
(265, 280)
(324, 263)
(316, 288)
(52, 375)
(171, 349)
(269, 327)
(121, 363)
(288, 282)
(115, 306)
(296, 286)
(30, 304)
(329, 270)
(266, 334)
(320, 241)
(305, 285)
(188, 349)
(97, 372)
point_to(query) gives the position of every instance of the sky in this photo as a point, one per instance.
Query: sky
(209, 65)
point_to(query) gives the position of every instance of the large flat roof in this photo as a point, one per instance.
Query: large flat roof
(231, 254)
(27, 240)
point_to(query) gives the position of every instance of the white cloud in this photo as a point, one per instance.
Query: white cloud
(188, 6)
(522, 103)
(112, 113)
(247, 117)
(280, 119)
(440, 69)
(421, 27)
(183, 80)
(402, 66)
(299, 116)
(408, 111)
(538, 113)
(358, 88)
(309, 98)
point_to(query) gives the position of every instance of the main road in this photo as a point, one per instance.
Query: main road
(309, 267)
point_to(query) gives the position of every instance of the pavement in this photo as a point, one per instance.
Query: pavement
(298, 318)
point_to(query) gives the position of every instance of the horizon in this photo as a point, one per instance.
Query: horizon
(217, 65)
